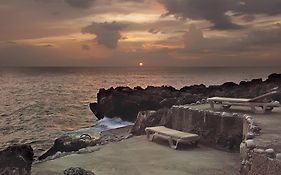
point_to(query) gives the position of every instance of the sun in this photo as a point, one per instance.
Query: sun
(141, 64)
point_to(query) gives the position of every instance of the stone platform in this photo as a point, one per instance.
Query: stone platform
(139, 157)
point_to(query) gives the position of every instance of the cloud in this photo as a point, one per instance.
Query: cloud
(269, 7)
(153, 31)
(107, 34)
(211, 10)
(48, 45)
(80, 3)
(254, 40)
(193, 38)
(216, 11)
(85, 47)
(264, 37)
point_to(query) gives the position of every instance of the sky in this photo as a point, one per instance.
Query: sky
(127, 32)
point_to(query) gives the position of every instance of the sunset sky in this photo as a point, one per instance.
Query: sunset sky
(129, 32)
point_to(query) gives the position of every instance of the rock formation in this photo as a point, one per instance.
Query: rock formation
(125, 102)
(69, 144)
(16, 160)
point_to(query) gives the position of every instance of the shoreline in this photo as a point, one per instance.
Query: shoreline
(164, 97)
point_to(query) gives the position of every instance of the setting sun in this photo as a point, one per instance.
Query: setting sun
(141, 64)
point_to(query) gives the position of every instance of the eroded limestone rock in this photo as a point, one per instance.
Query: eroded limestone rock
(125, 102)
(16, 160)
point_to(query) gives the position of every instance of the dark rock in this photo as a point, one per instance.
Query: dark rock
(69, 144)
(16, 159)
(95, 109)
(168, 102)
(256, 81)
(187, 98)
(125, 103)
(229, 85)
(274, 78)
(77, 171)
(195, 89)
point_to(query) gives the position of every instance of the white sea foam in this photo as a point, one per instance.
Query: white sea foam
(101, 125)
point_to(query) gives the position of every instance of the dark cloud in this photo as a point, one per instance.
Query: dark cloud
(211, 10)
(269, 7)
(107, 34)
(265, 37)
(255, 40)
(248, 18)
(215, 11)
(80, 3)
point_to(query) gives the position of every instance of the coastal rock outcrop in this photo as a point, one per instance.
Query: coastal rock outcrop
(16, 160)
(125, 102)
(69, 144)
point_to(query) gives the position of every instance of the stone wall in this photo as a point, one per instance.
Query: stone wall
(257, 159)
(222, 130)
(218, 129)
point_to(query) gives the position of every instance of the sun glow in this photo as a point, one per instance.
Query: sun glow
(141, 64)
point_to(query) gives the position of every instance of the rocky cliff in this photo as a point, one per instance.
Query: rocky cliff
(125, 102)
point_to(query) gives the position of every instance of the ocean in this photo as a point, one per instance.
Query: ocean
(39, 104)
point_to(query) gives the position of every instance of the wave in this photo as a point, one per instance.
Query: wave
(100, 126)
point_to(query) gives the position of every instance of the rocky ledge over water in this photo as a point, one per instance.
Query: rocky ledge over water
(126, 102)
(16, 159)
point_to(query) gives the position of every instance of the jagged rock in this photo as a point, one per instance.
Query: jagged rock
(125, 103)
(16, 160)
(95, 109)
(68, 144)
(274, 77)
(77, 171)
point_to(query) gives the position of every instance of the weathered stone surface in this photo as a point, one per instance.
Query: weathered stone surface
(262, 165)
(16, 160)
(250, 144)
(125, 103)
(68, 144)
(217, 130)
(148, 119)
(77, 171)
